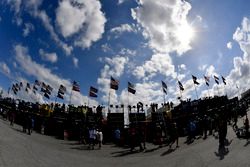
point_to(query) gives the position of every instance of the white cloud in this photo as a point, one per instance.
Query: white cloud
(163, 22)
(240, 74)
(127, 52)
(27, 29)
(159, 63)
(202, 67)
(123, 28)
(115, 67)
(75, 61)
(32, 7)
(120, 2)
(51, 57)
(31, 68)
(83, 18)
(182, 67)
(229, 45)
(106, 47)
(4, 68)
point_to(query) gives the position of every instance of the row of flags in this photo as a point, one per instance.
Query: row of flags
(93, 92)
(207, 80)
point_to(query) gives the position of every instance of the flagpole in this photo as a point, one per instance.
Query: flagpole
(218, 90)
(208, 91)
(195, 91)
(128, 103)
(88, 101)
(70, 97)
(109, 102)
(164, 100)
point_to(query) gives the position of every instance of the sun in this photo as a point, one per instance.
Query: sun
(185, 33)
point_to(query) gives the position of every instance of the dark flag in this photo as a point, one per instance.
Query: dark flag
(60, 95)
(35, 88)
(46, 95)
(17, 86)
(114, 84)
(224, 80)
(131, 88)
(206, 80)
(216, 79)
(195, 80)
(76, 86)
(93, 91)
(181, 86)
(62, 89)
(38, 83)
(20, 84)
(237, 86)
(43, 87)
(27, 87)
(14, 89)
(164, 87)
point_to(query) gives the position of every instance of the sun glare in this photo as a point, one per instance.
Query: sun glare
(185, 33)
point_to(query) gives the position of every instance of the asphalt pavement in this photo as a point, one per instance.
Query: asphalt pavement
(18, 149)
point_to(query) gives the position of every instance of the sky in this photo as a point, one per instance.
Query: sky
(139, 41)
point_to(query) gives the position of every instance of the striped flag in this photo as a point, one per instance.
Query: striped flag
(93, 91)
(164, 87)
(76, 86)
(131, 88)
(114, 84)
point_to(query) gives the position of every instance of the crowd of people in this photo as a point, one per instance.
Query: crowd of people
(92, 129)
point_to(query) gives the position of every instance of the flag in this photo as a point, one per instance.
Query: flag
(164, 87)
(114, 84)
(195, 80)
(35, 88)
(93, 91)
(181, 86)
(17, 86)
(60, 95)
(14, 89)
(224, 80)
(131, 88)
(27, 87)
(206, 80)
(46, 95)
(76, 86)
(38, 83)
(62, 89)
(20, 84)
(216, 79)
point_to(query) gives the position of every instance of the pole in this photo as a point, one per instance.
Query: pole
(218, 90)
(70, 97)
(208, 91)
(88, 101)
(109, 102)
(128, 103)
(195, 91)
(164, 100)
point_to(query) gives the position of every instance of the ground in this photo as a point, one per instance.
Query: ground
(21, 150)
